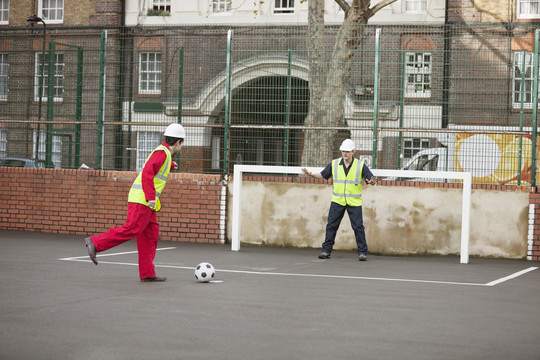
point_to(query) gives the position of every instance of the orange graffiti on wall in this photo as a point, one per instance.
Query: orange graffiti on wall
(494, 158)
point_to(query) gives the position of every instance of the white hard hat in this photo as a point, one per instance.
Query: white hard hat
(347, 145)
(175, 131)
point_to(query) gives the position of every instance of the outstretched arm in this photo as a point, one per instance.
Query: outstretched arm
(312, 174)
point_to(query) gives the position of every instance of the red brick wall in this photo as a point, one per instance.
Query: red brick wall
(83, 203)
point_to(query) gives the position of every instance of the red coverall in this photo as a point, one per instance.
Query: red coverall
(141, 221)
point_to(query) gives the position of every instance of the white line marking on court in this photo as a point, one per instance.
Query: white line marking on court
(76, 258)
(351, 277)
(490, 284)
(509, 277)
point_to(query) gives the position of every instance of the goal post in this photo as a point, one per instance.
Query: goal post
(466, 177)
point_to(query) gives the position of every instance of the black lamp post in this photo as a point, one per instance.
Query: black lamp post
(34, 19)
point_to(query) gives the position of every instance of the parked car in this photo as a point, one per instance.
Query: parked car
(21, 162)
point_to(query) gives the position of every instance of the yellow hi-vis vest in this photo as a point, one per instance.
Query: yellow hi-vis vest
(347, 189)
(136, 193)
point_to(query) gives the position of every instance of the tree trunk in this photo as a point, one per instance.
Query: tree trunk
(314, 139)
(327, 80)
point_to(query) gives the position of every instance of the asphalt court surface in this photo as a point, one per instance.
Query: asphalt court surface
(265, 303)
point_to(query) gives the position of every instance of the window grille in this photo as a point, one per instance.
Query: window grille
(42, 75)
(4, 71)
(528, 9)
(150, 73)
(418, 74)
(284, 6)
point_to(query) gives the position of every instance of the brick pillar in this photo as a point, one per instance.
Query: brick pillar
(108, 13)
(533, 238)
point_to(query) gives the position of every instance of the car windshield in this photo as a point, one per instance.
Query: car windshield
(21, 162)
(14, 163)
(425, 163)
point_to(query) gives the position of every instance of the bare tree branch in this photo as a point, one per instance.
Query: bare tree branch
(380, 5)
(343, 5)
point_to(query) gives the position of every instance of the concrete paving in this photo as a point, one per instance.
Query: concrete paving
(265, 303)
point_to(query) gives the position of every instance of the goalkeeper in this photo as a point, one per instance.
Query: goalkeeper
(347, 174)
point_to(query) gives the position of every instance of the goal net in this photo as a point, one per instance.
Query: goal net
(464, 177)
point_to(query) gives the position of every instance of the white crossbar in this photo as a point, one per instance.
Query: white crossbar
(239, 170)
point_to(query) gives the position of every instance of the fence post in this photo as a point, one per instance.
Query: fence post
(180, 83)
(376, 95)
(78, 107)
(101, 99)
(50, 104)
(535, 108)
(287, 111)
(401, 106)
(41, 87)
(227, 103)
(522, 99)
(180, 92)
(448, 34)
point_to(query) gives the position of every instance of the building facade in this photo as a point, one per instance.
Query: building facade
(31, 30)
(240, 71)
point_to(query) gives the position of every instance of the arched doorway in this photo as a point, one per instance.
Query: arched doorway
(256, 105)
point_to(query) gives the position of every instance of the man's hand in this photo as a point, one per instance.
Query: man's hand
(315, 175)
(152, 204)
(174, 165)
(372, 181)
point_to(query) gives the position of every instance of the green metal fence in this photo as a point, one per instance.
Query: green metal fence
(448, 97)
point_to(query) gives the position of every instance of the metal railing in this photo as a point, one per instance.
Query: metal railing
(462, 97)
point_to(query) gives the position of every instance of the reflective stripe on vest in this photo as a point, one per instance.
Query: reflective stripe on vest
(136, 193)
(347, 188)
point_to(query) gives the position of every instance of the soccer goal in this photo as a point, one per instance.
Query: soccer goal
(466, 177)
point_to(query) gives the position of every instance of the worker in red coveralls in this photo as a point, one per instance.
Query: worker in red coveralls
(143, 204)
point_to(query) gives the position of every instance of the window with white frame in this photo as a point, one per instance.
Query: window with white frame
(522, 91)
(220, 6)
(160, 5)
(4, 12)
(4, 71)
(150, 73)
(528, 9)
(283, 6)
(3, 143)
(418, 74)
(51, 11)
(41, 76)
(56, 148)
(414, 6)
(413, 145)
(146, 143)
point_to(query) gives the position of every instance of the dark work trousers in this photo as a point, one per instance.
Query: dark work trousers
(334, 219)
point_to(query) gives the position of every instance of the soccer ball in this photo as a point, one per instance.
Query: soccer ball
(204, 272)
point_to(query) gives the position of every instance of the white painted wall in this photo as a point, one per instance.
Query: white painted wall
(398, 220)
(197, 12)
